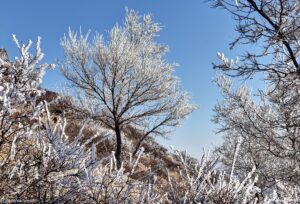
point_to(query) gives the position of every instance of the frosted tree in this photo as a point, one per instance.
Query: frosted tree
(126, 80)
(267, 120)
(269, 130)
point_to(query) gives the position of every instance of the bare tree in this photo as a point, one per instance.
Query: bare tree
(126, 81)
(274, 27)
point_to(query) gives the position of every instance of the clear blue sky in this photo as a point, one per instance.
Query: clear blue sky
(193, 31)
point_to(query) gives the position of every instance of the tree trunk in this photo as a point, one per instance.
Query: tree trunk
(118, 146)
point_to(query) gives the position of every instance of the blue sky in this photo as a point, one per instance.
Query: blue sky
(193, 31)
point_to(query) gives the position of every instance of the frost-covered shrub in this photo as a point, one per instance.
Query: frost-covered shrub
(19, 114)
(36, 161)
(110, 184)
(200, 183)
